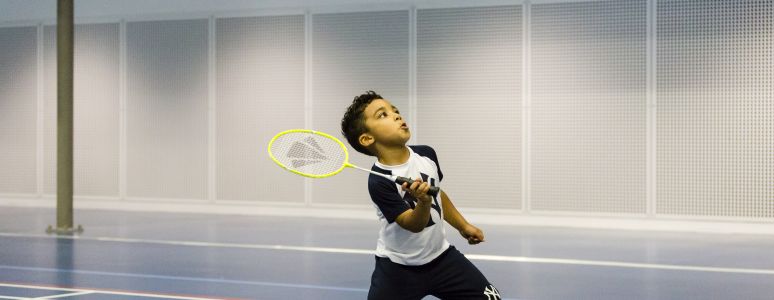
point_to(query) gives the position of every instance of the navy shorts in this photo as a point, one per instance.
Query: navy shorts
(450, 276)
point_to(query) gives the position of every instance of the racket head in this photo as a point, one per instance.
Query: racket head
(308, 153)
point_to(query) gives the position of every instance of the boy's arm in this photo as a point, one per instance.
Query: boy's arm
(456, 220)
(416, 219)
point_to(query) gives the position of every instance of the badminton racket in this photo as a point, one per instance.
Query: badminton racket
(318, 155)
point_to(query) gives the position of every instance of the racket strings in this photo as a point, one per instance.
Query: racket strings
(308, 153)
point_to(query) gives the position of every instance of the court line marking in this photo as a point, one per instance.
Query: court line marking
(40, 287)
(500, 258)
(619, 264)
(97, 291)
(65, 295)
(184, 278)
(92, 291)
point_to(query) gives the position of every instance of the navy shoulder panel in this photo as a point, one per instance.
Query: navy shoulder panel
(428, 152)
(384, 193)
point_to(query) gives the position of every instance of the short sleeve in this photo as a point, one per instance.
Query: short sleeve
(429, 152)
(384, 193)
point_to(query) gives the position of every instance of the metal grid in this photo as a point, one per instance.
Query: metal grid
(588, 107)
(715, 82)
(259, 92)
(18, 110)
(167, 88)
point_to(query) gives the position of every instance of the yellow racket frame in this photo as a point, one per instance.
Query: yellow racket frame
(343, 148)
(434, 191)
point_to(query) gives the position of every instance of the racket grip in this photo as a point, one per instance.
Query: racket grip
(434, 190)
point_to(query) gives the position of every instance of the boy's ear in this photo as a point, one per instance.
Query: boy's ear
(365, 140)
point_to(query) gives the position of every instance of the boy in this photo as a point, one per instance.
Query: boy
(413, 257)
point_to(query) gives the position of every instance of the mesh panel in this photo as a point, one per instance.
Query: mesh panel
(260, 91)
(588, 118)
(714, 155)
(166, 110)
(308, 153)
(18, 110)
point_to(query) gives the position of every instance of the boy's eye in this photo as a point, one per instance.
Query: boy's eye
(383, 114)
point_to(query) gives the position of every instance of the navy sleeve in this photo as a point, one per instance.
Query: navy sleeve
(384, 193)
(429, 152)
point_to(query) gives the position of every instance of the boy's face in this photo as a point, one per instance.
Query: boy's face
(385, 125)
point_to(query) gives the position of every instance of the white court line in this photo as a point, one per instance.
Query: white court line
(617, 264)
(186, 278)
(91, 291)
(66, 295)
(41, 287)
(500, 258)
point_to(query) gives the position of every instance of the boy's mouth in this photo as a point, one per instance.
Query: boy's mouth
(403, 126)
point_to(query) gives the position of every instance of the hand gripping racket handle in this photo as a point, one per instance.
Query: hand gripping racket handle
(433, 189)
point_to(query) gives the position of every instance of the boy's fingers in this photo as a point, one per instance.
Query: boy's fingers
(425, 187)
(418, 181)
(417, 184)
(420, 188)
(475, 240)
(417, 187)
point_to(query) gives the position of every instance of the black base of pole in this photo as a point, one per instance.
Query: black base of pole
(64, 231)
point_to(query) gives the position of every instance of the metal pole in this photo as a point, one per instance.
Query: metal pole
(64, 168)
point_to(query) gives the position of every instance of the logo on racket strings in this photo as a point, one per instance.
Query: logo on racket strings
(306, 153)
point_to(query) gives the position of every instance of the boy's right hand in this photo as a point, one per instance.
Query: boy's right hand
(418, 189)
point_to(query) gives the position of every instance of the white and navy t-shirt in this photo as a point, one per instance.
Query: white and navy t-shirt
(400, 245)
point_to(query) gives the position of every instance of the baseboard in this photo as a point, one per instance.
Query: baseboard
(368, 213)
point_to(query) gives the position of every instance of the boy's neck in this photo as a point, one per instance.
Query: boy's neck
(394, 156)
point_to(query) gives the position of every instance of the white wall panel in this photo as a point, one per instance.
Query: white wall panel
(588, 117)
(167, 124)
(18, 110)
(469, 101)
(715, 83)
(260, 92)
(95, 104)
(352, 53)
(684, 131)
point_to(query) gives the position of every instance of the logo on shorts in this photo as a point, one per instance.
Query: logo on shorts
(491, 293)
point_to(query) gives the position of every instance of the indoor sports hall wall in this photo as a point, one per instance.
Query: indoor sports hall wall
(571, 111)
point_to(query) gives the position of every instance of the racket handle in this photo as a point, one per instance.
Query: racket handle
(433, 189)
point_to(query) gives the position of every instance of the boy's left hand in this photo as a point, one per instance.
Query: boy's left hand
(472, 234)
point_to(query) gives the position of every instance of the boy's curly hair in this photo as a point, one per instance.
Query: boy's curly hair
(353, 122)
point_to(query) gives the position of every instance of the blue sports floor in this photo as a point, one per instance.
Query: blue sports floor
(138, 255)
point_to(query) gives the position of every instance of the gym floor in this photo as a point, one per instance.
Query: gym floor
(141, 255)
